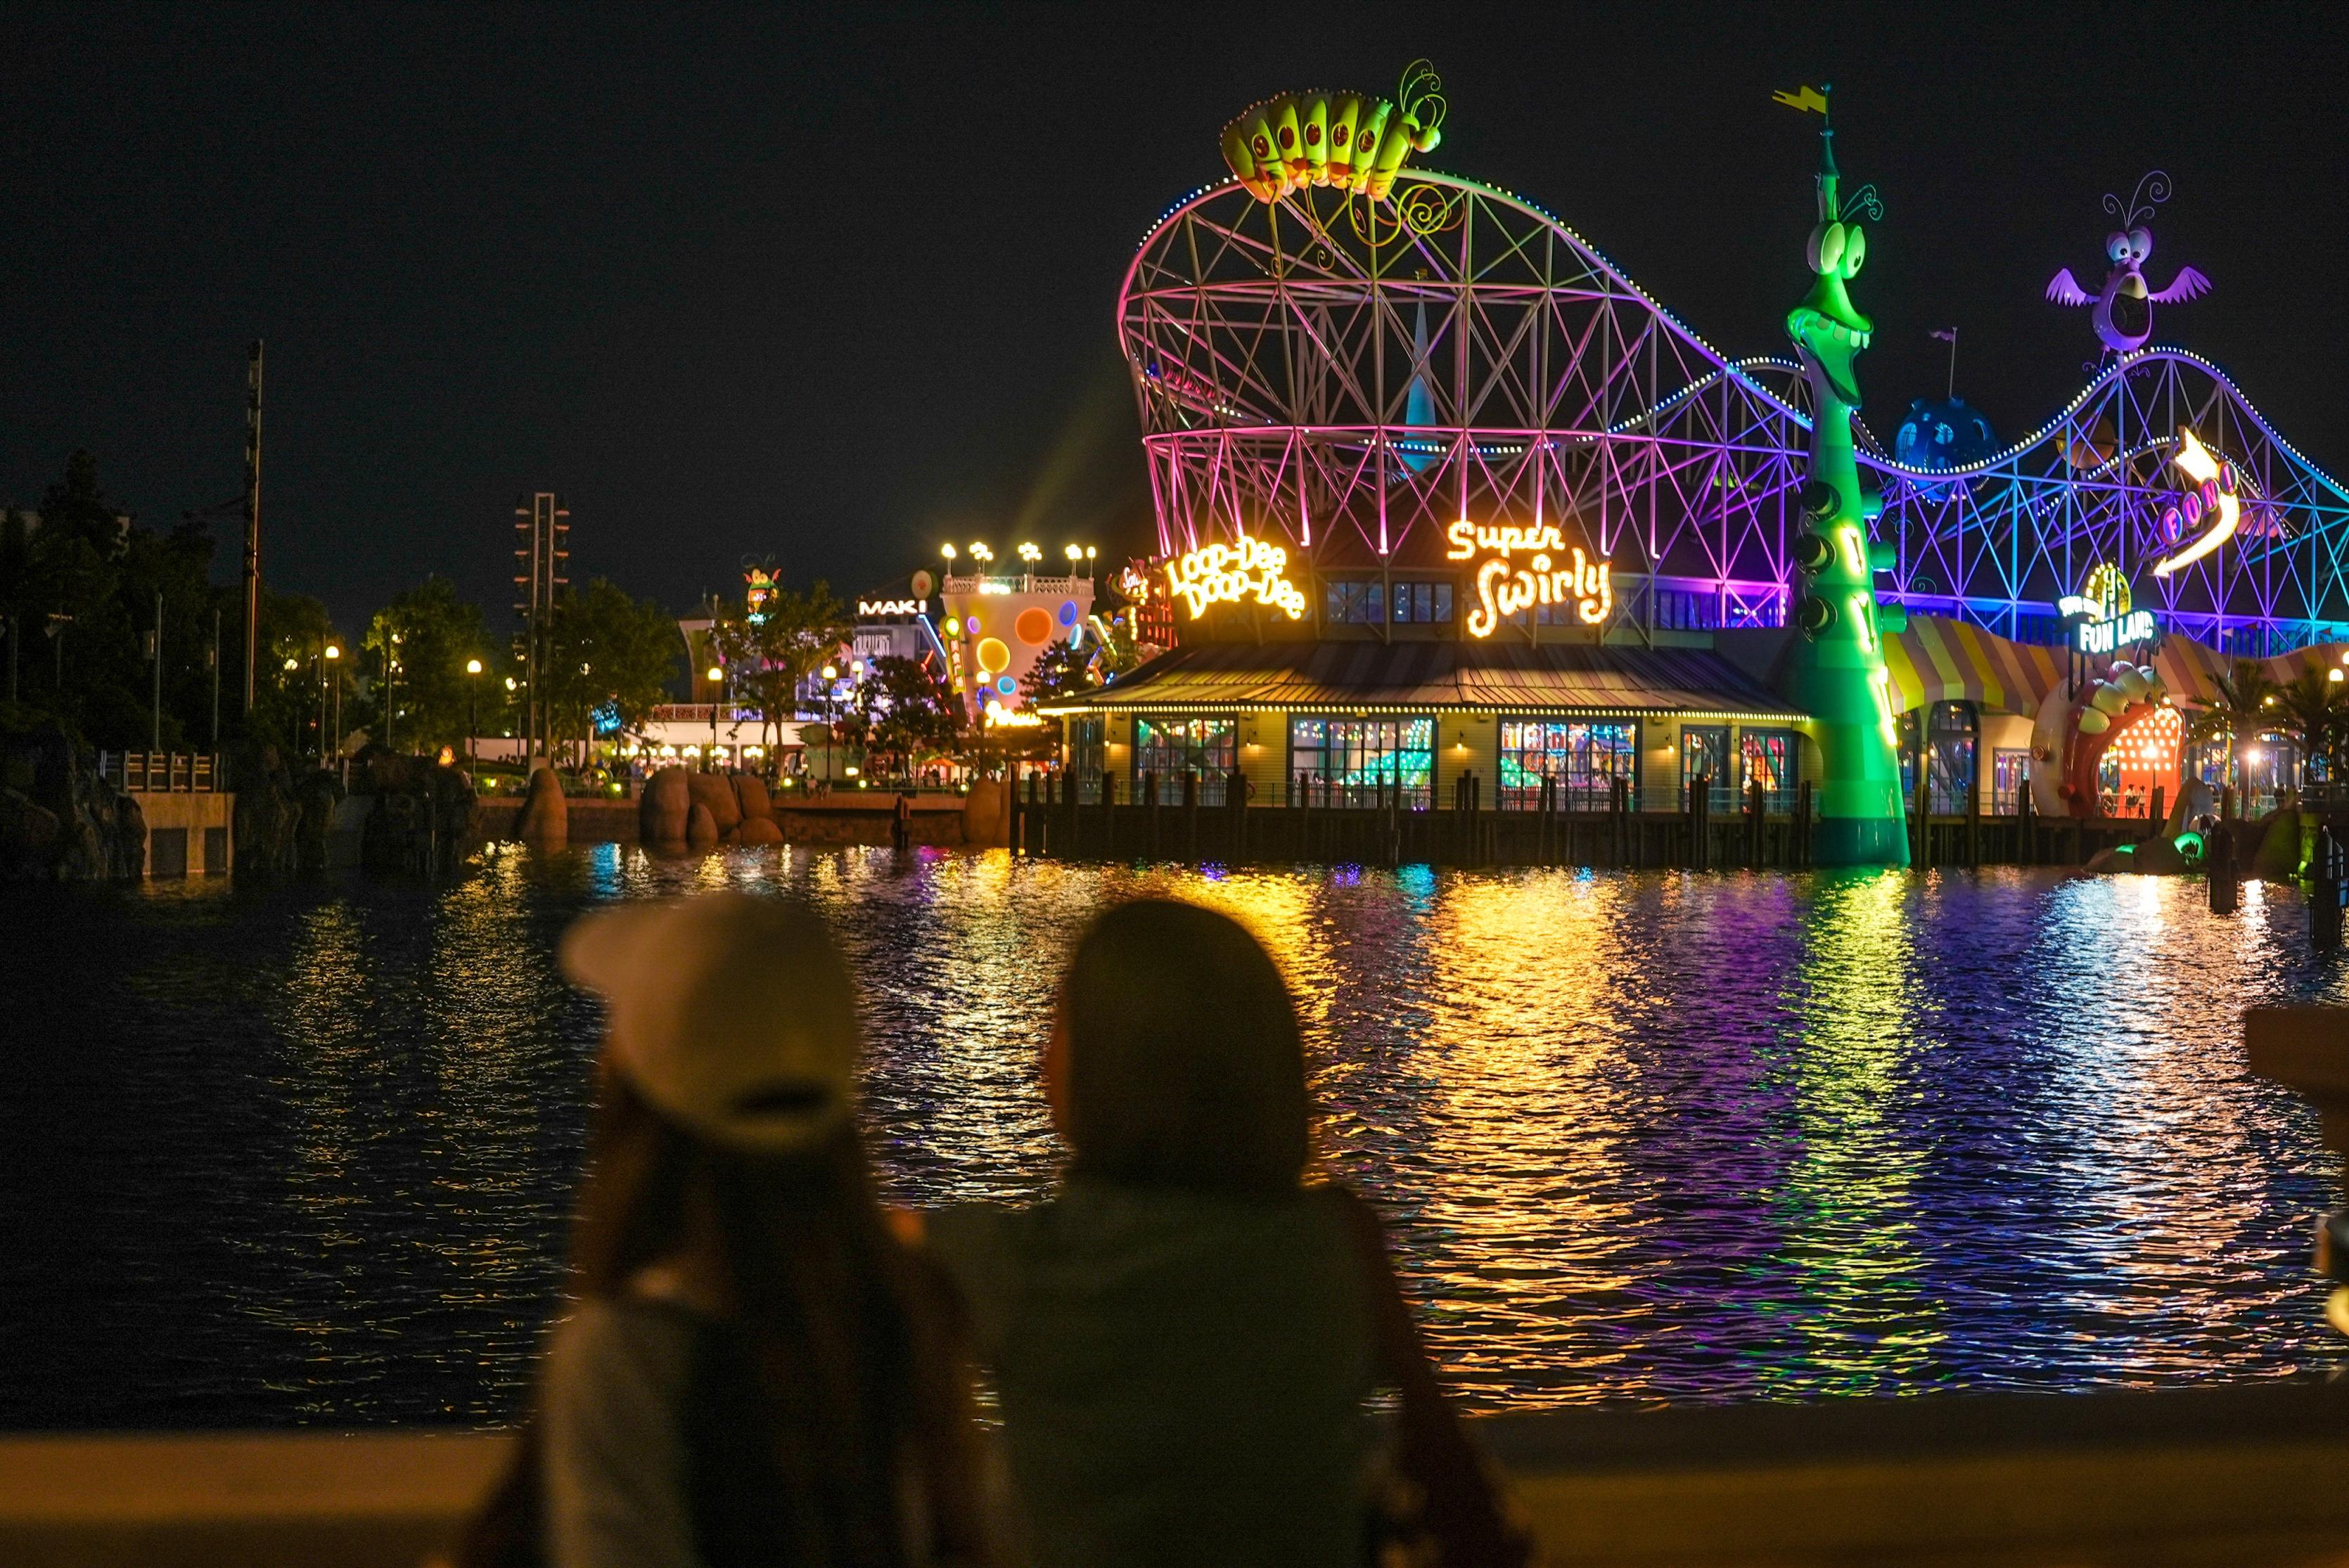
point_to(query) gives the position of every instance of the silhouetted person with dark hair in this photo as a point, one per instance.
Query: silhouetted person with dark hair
(758, 1372)
(1186, 1335)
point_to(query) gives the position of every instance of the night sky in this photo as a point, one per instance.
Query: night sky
(830, 287)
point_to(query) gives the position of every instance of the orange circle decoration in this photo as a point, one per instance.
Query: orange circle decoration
(993, 656)
(1034, 626)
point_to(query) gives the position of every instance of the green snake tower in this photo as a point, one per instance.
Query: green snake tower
(1835, 670)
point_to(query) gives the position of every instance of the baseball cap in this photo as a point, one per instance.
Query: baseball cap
(733, 1015)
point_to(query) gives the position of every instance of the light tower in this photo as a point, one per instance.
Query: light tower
(542, 554)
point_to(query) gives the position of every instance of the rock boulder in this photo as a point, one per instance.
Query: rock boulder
(545, 815)
(661, 815)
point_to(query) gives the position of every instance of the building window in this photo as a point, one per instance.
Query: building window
(1171, 747)
(1353, 762)
(1422, 603)
(1955, 730)
(1772, 759)
(1704, 754)
(2009, 776)
(1585, 757)
(1355, 602)
(1088, 756)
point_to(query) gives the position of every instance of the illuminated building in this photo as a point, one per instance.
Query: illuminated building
(999, 618)
(1442, 493)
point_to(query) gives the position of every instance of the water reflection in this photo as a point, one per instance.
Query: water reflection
(1651, 1137)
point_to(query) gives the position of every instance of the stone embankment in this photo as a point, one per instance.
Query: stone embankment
(59, 819)
(686, 810)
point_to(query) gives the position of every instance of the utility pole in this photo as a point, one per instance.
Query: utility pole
(251, 519)
(158, 642)
(215, 664)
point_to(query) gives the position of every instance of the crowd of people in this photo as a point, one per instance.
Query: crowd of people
(1185, 1342)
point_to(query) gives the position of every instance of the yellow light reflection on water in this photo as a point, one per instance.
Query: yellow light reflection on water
(1849, 1226)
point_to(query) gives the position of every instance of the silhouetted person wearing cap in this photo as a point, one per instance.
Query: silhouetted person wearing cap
(758, 1371)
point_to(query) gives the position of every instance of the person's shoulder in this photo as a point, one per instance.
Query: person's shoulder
(627, 1341)
(963, 1227)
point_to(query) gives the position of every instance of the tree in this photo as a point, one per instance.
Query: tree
(2244, 706)
(608, 649)
(417, 649)
(906, 713)
(769, 652)
(2312, 709)
(79, 587)
(296, 630)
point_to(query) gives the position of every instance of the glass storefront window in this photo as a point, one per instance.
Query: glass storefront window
(1426, 603)
(1349, 761)
(1585, 757)
(1088, 754)
(1954, 738)
(1170, 746)
(1705, 753)
(1772, 758)
(2009, 776)
(1355, 602)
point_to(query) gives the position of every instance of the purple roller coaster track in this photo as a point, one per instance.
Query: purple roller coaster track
(1359, 376)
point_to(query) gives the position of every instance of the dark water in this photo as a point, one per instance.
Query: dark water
(302, 1154)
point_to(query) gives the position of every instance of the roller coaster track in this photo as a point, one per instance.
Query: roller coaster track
(1358, 392)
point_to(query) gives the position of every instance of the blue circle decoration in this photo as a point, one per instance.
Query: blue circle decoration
(1068, 611)
(1006, 686)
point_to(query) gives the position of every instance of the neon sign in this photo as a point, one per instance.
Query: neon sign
(1227, 574)
(2105, 637)
(1504, 589)
(888, 608)
(2212, 498)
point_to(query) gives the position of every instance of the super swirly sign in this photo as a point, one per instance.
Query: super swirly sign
(1504, 588)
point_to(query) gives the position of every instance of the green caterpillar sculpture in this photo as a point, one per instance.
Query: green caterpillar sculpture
(1353, 142)
(1837, 673)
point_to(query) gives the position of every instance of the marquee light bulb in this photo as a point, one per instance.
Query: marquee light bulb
(947, 551)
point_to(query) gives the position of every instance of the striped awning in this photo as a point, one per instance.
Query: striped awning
(1940, 660)
(1352, 677)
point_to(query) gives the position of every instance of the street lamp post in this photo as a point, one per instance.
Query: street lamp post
(717, 679)
(830, 674)
(391, 685)
(472, 716)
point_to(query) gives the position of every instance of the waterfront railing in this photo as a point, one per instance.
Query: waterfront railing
(165, 772)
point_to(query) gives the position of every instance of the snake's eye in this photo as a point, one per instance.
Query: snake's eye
(2140, 243)
(2116, 246)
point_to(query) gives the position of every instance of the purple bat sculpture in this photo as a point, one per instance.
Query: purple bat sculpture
(2124, 316)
